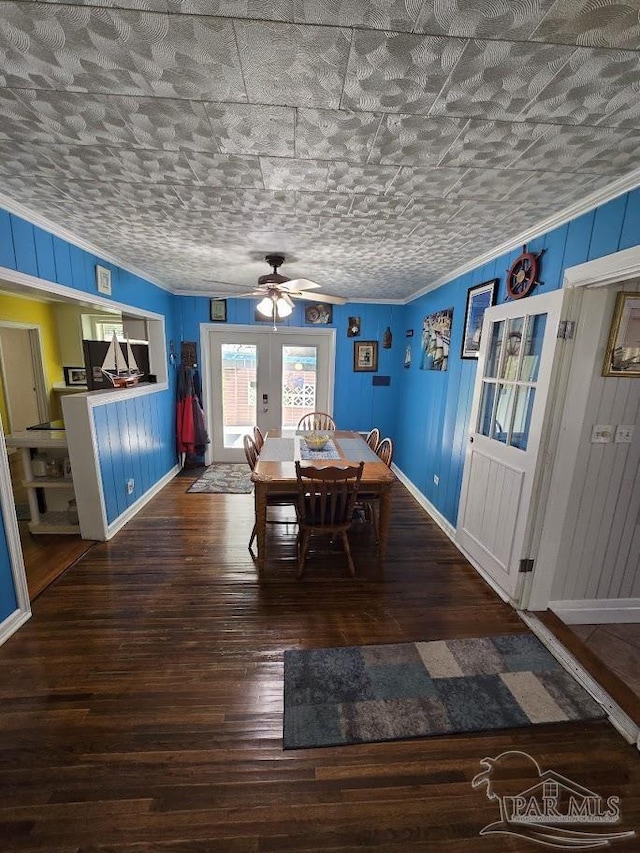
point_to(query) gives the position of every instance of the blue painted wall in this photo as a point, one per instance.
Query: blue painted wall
(136, 438)
(433, 408)
(358, 404)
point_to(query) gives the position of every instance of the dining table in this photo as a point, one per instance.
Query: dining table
(275, 474)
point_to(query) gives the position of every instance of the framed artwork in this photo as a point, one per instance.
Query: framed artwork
(436, 340)
(318, 314)
(407, 355)
(218, 310)
(622, 357)
(365, 355)
(353, 329)
(103, 280)
(75, 375)
(479, 298)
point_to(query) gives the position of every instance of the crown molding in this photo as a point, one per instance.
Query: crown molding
(595, 199)
(59, 231)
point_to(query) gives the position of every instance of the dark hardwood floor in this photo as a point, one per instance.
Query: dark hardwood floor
(142, 704)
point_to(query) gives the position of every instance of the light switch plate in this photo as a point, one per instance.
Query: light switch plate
(624, 434)
(602, 434)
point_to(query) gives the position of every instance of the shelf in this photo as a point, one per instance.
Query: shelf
(54, 522)
(48, 483)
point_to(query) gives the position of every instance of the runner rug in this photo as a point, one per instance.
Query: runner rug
(229, 477)
(363, 694)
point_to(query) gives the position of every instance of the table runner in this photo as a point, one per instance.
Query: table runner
(328, 452)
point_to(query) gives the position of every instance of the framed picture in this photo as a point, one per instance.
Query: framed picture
(353, 329)
(479, 298)
(75, 376)
(318, 314)
(407, 355)
(622, 357)
(103, 280)
(365, 355)
(218, 310)
(436, 340)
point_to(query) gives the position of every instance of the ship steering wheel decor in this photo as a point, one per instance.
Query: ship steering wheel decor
(523, 274)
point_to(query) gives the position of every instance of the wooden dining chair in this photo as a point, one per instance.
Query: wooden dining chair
(373, 438)
(258, 437)
(284, 499)
(385, 451)
(316, 421)
(326, 500)
(369, 504)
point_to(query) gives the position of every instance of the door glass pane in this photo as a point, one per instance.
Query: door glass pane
(486, 408)
(512, 347)
(504, 409)
(532, 347)
(522, 417)
(299, 380)
(239, 364)
(495, 347)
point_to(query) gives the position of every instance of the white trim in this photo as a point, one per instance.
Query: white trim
(603, 271)
(40, 221)
(425, 503)
(135, 508)
(617, 717)
(14, 547)
(597, 611)
(595, 199)
(448, 529)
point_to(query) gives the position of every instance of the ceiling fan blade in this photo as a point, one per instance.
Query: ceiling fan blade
(300, 284)
(318, 297)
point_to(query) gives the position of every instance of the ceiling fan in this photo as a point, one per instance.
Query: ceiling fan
(277, 291)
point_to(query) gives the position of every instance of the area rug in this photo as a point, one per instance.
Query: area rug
(229, 477)
(363, 694)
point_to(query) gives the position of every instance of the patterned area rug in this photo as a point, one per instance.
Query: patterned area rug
(229, 477)
(363, 694)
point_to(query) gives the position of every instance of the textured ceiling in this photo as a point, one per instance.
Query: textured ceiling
(378, 144)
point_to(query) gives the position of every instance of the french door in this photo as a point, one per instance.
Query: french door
(518, 353)
(258, 376)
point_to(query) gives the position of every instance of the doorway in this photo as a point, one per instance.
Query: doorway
(258, 376)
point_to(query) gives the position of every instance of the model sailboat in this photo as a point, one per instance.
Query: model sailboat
(121, 371)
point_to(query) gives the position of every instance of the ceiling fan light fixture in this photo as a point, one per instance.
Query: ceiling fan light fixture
(283, 308)
(265, 307)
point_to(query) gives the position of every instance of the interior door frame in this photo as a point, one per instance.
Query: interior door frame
(37, 360)
(327, 333)
(571, 402)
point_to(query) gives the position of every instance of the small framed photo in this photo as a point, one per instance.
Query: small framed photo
(353, 328)
(365, 355)
(479, 298)
(218, 310)
(318, 314)
(103, 280)
(622, 357)
(75, 376)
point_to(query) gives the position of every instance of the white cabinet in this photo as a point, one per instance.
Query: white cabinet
(49, 511)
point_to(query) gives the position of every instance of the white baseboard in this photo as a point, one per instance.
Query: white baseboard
(597, 611)
(447, 528)
(135, 508)
(617, 717)
(426, 505)
(11, 624)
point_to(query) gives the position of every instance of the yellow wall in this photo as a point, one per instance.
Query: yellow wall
(19, 310)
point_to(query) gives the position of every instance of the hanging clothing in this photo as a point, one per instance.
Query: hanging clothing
(191, 431)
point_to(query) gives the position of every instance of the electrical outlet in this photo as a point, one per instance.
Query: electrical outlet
(624, 434)
(436, 479)
(131, 484)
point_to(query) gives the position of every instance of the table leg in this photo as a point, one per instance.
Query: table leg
(384, 522)
(260, 491)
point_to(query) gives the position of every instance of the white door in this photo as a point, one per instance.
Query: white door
(258, 376)
(517, 357)
(18, 358)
